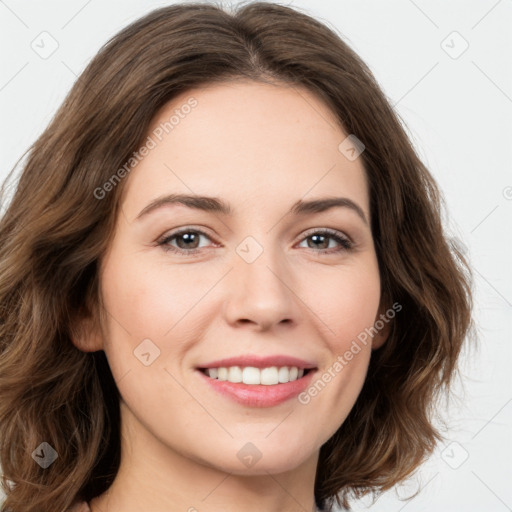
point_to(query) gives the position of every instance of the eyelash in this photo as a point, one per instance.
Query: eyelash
(346, 244)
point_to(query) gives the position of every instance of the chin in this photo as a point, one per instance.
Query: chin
(260, 458)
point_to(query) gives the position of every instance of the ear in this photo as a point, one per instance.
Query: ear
(383, 323)
(85, 332)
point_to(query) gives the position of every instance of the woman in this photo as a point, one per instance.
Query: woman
(291, 360)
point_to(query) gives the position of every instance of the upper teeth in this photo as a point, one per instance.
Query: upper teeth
(252, 375)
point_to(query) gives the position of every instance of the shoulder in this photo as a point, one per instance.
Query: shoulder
(80, 506)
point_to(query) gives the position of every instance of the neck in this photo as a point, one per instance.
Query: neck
(153, 476)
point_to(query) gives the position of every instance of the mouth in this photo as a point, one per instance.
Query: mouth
(253, 376)
(257, 387)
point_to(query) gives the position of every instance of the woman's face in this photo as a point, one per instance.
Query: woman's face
(260, 281)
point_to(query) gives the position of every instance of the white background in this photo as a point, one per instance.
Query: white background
(458, 112)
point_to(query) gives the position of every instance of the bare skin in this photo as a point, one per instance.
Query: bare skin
(260, 148)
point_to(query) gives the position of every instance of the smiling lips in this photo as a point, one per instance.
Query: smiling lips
(258, 381)
(251, 375)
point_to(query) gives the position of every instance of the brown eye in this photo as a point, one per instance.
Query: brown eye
(187, 241)
(321, 239)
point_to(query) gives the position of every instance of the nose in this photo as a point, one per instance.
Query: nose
(261, 294)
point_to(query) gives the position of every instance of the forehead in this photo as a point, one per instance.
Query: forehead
(246, 140)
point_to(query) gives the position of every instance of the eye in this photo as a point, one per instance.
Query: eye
(320, 240)
(187, 240)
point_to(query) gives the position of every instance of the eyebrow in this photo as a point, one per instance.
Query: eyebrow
(217, 205)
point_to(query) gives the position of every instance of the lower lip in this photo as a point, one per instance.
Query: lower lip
(259, 395)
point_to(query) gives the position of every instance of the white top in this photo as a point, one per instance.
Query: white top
(84, 507)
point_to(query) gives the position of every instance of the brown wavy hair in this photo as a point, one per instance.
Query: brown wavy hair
(54, 233)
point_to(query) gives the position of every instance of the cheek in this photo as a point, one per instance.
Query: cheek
(150, 300)
(154, 312)
(347, 303)
(143, 308)
(345, 300)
